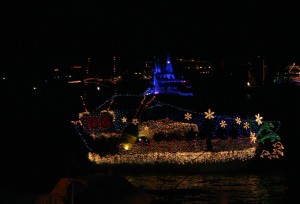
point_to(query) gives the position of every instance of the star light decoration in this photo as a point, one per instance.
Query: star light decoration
(188, 116)
(258, 119)
(124, 120)
(135, 121)
(209, 114)
(223, 123)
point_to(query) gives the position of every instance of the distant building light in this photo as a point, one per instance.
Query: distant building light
(76, 67)
(74, 82)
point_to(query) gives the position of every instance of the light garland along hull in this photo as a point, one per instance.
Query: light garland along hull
(162, 135)
(181, 161)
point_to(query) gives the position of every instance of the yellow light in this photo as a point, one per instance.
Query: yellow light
(127, 146)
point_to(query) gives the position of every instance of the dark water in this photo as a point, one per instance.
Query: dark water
(209, 188)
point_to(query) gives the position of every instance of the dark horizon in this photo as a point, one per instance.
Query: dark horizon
(40, 35)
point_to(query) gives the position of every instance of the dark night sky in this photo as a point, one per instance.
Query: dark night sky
(36, 35)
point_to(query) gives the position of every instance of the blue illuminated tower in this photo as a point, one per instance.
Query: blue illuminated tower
(164, 82)
(157, 72)
(157, 68)
(169, 74)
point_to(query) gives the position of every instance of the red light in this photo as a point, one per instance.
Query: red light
(75, 67)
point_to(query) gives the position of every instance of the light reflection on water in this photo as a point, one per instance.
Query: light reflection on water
(237, 187)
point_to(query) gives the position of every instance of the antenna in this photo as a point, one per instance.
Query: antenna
(88, 66)
(83, 98)
(114, 81)
(114, 75)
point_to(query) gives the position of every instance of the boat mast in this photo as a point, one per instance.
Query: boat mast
(263, 72)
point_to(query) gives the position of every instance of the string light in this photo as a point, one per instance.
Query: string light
(198, 157)
(233, 137)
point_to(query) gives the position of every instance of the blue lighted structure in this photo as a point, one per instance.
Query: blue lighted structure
(165, 82)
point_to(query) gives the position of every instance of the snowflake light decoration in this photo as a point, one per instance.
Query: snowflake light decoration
(188, 116)
(258, 119)
(252, 137)
(238, 120)
(209, 114)
(246, 125)
(223, 123)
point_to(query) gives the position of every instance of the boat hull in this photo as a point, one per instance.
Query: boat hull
(209, 167)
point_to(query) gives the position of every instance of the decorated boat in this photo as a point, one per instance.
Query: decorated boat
(140, 132)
